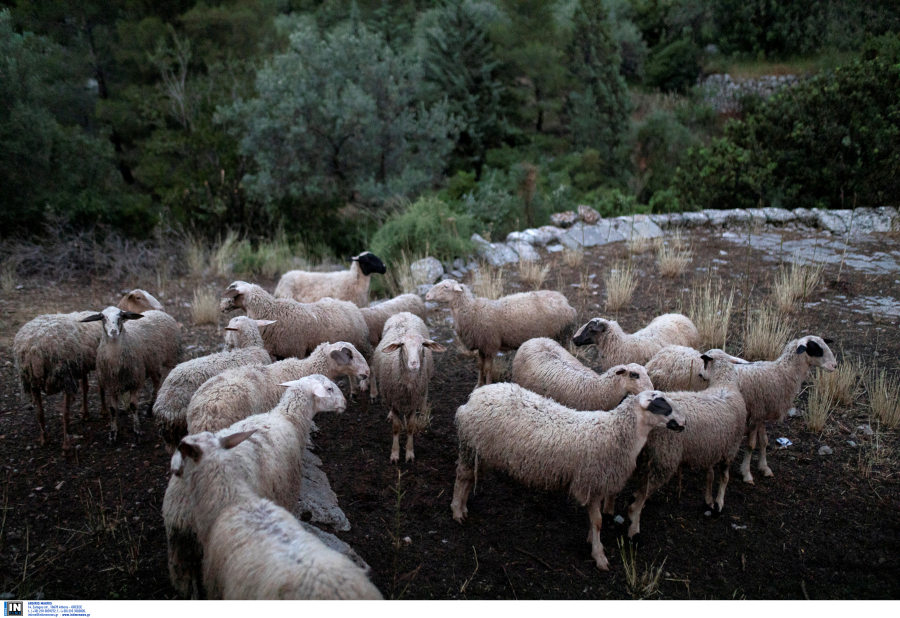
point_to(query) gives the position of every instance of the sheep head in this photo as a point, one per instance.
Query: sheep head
(347, 360)
(634, 377)
(658, 411)
(444, 292)
(322, 392)
(412, 350)
(113, 320)
(139, 301)
(591, 332)
(818, 354)
(369, 263)
(194, 447)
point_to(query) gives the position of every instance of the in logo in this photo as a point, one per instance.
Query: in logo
(13, 608)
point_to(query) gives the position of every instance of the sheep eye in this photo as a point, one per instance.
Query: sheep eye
(634, 375)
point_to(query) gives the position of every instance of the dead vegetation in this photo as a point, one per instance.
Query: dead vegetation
(672, 256)
(621, 283)
(766, 334)
(710, 311)
(205, 306)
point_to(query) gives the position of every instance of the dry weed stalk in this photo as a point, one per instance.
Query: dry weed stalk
(841, 384)
(205, 307)
(488, 281)
(642, 584)
(533, 273)
(223, 254)
(795, 283)
(195, 256)
(766, 335)
(710, 311)
(819, 406)
(884, 397)
(8, 277)
(638, 244)
(422, 420)
(620, 285)
(573, 257)
(673, 257)
(400, 279)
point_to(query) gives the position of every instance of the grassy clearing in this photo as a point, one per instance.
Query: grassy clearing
(754, 69)
(710, 311)
(841, 384)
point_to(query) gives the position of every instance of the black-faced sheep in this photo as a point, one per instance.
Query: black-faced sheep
(350, 285)
(616, 347)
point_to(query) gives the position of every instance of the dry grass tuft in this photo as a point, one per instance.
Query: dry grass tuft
(533, 273)
(710, 311)
(8, 277)
(399, 278)
(841, 384)
(638, 244)
(195, 256)
(573, 257)
(205, 307)
(794, 284)
(819, 406)
(767, 334)
(642, 584)
(488, 281)
(422, 420)
(672, 257)
(620, 285)
(223, 254)
(884, 397)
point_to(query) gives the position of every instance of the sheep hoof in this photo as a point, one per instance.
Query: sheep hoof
(461, 516)
(113, 436)
(712, 510)
(766, 471)
(395, 458)
(602, 563)
(410, 456)
(636, 540)
(748, 478)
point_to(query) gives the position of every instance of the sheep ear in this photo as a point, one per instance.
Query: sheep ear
(188, 449)
(706, 359)
(814, 349)
(456, 287)
(319, 391)
(262, 323)
(433, 346)
(620, 372)
(801, 349)
(659, 406)
(343, 356)
(231, 292)
(177, 464)
(131, 315)
(392, 347)
(236, 438)
(93, 318)
(826, 340)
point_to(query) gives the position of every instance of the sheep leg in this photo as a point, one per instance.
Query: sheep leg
(465, 478)
(723, 483)
(84, 396)
(66, 407)
(763, 440)
(751, 444)
(707, 498)
(373, 387)
(104, 410)
(133, 409)
(395, 448)
(644, 491)
(39, 405)
(410, 431)
(114, 417)
(595, 512)
(154, 379)
(480, 357)
(488, 368)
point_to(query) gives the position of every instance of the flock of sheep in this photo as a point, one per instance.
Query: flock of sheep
(238, 422)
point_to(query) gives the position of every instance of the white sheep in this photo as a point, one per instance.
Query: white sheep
(351, 285)
(243, 391)
(544, 444)
(403, 366)
(54, 353)
(616, 347)
(139, 301)
(253, 548)
(678, 368)
(543, 366)
(715, 420)
(273, 465)
(490, 326)
(376, 316)
(770, 387)
(127, 356)
(183, 381)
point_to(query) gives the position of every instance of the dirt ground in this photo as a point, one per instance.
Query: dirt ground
(88, 526)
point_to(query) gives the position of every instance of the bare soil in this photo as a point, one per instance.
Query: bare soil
(88, 525)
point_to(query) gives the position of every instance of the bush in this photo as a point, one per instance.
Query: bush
(675, 66)
(429, 227)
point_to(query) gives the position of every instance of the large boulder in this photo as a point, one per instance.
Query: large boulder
(563, 219)
(426, 271)
(496, 253)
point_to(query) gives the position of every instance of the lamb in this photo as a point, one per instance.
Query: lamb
(715, 420)
(403, 365)
(619, 348)
(238, 393)
(274, 466)
(543, 366)
(377, 316)
(253, 548)
(126, 357)
(770, 387)
(489, 326)
(544, 444)
(175, 394)
(53, 353)
(677, 368)
(301, 326)
(139, 301)
(350, 285)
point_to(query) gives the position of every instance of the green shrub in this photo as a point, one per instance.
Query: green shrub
(665, 201)
(428, 226)
(675, 66)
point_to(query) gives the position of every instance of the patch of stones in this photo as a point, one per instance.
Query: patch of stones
(724, 93)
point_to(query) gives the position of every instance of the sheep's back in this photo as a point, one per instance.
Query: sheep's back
(159, 339)
(769, 388)
(676, 368)
(231, 396)
(50, 352)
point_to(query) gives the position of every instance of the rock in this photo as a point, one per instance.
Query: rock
(460, 265)
(793, 412)
(778, 216)
(851, 442)
(638, 226)
(588, 214)
(806, 216)
(582, 235)
(868, 220)
(563, 219)
(426, 271)
(555, 248)
(472, 266)
(316, 496)
(825, 450)
(619, 519)
(757, 216)
(721, 218)
(866, 430)
(526, 251)
(448, 276)
(694, 219)
(497, 253)
(422, 290)
(536, 236)
(337, 545)
(831, 222)
(456, 274)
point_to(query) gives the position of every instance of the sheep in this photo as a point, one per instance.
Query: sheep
(543, 366)
(241, 333)
(677, 368)
(616, 347)
(377, 316)
(253, 548)
(244, 391)
(139, 301)
(126, 357)
(301, 326)
(489, 326)
(770, 387)
(715, 421)
(350, 285)
(403, 365)
(175, 394)
(53, 353)
(544, 444)
(274, 466)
